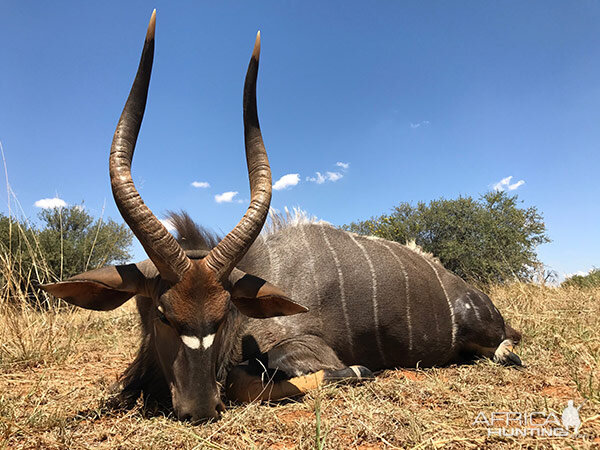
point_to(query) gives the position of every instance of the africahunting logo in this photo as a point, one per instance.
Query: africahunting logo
(535, 423)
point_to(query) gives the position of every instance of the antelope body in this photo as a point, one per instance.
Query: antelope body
(305, 304)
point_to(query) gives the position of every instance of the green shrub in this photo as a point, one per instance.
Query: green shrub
(72, 241)
(67, 241)
(489, 240)
(591, 280)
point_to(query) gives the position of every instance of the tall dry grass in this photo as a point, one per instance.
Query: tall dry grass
(26, 336)
(35, 329)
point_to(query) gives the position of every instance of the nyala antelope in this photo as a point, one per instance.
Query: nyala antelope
(305, 304)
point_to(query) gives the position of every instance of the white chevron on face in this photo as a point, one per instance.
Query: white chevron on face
(195, 343)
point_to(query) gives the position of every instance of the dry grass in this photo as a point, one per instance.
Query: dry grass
(56, 367)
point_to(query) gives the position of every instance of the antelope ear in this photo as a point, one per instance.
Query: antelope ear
(101, 289)
(257, 298)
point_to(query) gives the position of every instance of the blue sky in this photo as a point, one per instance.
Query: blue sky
(420, 100)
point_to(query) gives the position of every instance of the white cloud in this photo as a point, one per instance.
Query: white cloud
(419, 124)
(329, 176)
(200, 184)
(225, 197)
(334, 176)
(343, 165)
(504, 184)
(291, 179)
(319, 179)
(168, 225)
(581, 273)
(50, 203)
(514, 186)
(499, 186)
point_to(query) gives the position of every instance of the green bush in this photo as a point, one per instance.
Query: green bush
(67, 241)
(591, 280)
(489, 240)
(72, 241)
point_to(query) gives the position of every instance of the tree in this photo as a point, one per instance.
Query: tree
(589, 281)
(72, 241)
(67, 241)
(487, 240)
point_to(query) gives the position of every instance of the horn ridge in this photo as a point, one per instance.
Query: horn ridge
(159, 244)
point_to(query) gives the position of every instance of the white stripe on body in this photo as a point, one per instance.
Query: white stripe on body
(274, 263)
(487, 305)
(406, 286)
(342, 292)
(265, 245)
(374, 296)
(450, 305)
(311, 265)
(474, 307)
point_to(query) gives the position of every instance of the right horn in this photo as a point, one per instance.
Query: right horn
(224, 257)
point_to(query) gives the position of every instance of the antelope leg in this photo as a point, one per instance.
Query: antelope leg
(291, 368)
(242, 386)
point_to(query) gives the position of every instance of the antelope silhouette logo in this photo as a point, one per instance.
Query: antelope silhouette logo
(570, 417)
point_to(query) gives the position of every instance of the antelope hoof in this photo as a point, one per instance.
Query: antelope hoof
(504, 354)
(351, 374)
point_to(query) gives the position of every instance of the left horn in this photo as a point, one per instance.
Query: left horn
(162, 248)
(224, 257)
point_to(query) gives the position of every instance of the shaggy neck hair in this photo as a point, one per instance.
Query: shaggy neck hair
(190, 235)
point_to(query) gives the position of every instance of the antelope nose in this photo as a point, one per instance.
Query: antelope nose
(195, 414)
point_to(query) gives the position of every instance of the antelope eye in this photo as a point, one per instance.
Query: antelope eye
(161, 316)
